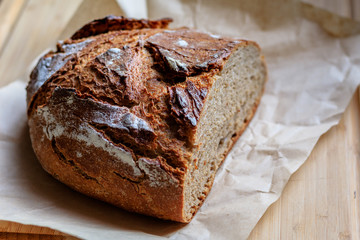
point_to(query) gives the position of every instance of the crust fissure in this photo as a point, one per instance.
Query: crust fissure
(76, 168)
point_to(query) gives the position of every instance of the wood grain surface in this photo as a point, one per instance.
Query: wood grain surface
(321, 200)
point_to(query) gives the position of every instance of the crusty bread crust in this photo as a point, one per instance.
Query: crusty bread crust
(114, 112)
(115, 23)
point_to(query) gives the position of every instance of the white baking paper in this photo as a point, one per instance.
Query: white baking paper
(312, 77)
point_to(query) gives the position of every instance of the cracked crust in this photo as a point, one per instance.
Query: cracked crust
(114, 112)
(116, 23)
(186, 104)
(185, 52)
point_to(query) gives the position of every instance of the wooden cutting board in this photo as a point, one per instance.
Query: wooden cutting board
(321, 200)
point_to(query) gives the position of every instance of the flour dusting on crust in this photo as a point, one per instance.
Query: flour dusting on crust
(54, 128)
(157, 176)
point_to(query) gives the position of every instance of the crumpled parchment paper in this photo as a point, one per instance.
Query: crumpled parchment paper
(312, 77)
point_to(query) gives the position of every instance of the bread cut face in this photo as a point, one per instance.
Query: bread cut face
(141, 116)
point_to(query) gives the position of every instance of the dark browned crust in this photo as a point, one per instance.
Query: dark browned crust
(185, 52)
(94, 173)
(180, 54)
(51, 63)
(115, 23)
(186, 104)
(149, 108)
(113, 118)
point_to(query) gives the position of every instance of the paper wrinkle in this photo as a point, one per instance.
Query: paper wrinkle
(134, 8)
(311, 79)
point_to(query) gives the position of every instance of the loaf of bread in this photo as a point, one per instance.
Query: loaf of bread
(141, 116)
